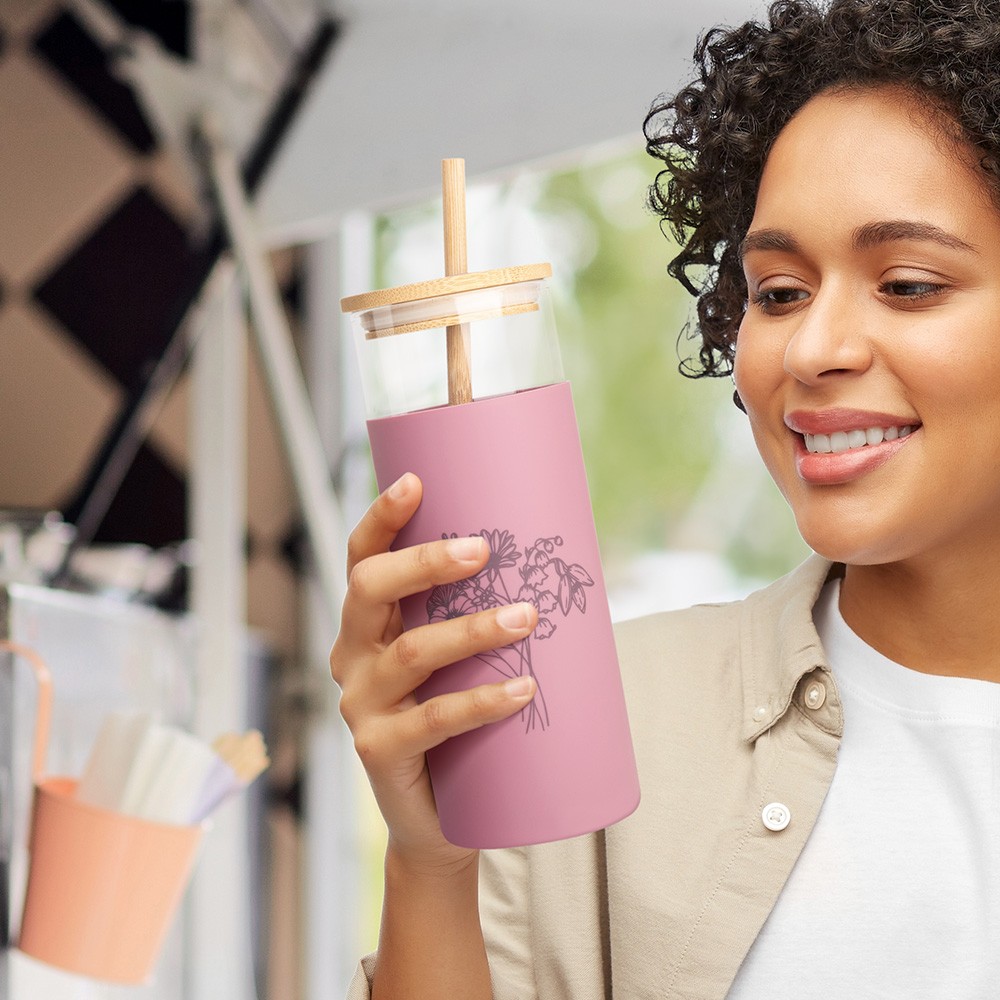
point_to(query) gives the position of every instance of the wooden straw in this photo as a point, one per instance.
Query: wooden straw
(456, 262)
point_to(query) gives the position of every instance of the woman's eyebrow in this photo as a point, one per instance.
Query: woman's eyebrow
(768, 239)
(873, 234)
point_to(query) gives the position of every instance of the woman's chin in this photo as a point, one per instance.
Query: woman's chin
(849, 546)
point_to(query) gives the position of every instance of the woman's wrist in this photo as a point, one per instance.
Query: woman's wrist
(431, 944)
(454, 867)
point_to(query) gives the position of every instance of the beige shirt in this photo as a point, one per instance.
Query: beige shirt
(726, 718)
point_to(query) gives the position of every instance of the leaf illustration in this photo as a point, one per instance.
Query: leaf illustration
(581, 575)
(565, 595)
(580, 598)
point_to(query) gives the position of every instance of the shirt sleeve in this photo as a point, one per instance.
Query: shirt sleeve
(361, 984)
(505, 916)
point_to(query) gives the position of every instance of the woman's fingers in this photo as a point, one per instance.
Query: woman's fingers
(386, 577)
(378, 578)
(414, 655)
(379, 666)
(383, 520)
(382, 742)
(378, 582)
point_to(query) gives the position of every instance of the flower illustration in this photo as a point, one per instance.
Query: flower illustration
(534, 577)
(546, 602)
(542, 578)
(503, 551)
(544, 629)
(481, 594)
(449, 601)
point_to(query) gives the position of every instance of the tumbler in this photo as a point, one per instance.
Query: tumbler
(505, 464)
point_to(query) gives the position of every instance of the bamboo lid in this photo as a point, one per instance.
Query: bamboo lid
(429, 304)
(450, 285)
(449, 311)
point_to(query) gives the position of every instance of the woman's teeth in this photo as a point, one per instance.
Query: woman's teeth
(823, 444)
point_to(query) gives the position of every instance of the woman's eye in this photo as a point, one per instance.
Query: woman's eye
(910, 289)
(777, 299)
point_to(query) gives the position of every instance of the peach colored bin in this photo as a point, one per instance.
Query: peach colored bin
(102, 887)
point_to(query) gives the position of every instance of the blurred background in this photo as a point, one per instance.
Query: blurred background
(153, 540)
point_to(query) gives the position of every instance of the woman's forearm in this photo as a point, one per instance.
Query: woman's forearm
(431, 942)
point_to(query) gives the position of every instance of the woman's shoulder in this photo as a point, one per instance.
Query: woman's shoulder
(680, 624)
(709, 643)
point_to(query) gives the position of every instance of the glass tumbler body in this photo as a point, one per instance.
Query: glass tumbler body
(507, 466)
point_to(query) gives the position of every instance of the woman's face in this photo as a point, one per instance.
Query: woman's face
(869, 356)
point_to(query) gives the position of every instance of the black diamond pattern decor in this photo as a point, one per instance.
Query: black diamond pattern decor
(115, 286)
(113, 291)
(150, 506)
(169, 20)
(72, 53)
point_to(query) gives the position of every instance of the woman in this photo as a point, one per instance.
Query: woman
(821, 762)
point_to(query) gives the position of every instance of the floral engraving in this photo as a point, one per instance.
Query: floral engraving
(538, 575)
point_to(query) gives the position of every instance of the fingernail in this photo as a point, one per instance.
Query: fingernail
(466, 549)
(518, 687)
(514, 617)
(400, 487)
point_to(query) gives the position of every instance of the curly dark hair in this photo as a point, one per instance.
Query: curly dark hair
(715, 134)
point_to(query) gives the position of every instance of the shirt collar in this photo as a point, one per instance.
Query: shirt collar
(779, 647)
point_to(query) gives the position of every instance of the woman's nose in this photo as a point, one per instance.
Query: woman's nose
(830, 339)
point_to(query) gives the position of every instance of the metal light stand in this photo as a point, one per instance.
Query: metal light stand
(286, 387)
(328, 942)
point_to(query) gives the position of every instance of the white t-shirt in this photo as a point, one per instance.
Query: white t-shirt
(897, 892)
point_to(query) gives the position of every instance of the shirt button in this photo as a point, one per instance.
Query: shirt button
(815, 695)
(759, 714)
(776, 816)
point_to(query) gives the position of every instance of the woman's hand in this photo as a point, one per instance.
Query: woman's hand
(378, 666)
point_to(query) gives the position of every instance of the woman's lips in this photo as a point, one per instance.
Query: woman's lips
(835, 419)
(831, 468)
(846, 443)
